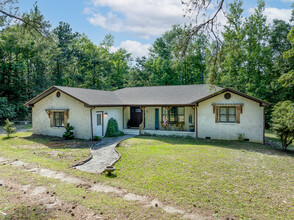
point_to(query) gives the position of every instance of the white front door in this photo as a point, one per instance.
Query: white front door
(99, 124)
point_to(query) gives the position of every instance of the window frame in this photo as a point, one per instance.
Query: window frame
(175, 113)
(227, 114)
(60, 119)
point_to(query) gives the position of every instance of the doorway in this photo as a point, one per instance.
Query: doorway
(136, 116)
(99, 124)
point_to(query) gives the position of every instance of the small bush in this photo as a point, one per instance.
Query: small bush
(9, 128)
(68, 134)
(96, 138)
(112, 129)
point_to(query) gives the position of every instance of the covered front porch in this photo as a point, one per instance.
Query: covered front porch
(160, 120)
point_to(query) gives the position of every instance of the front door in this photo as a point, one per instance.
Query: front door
(156, 118)
(136, 116)
(99, 124)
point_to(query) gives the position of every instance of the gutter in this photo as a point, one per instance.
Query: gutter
(91, 122)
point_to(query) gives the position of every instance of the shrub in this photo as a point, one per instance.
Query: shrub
(68, 134)
(96, 138)
(9, 128)
(112, 129)
(283, 122)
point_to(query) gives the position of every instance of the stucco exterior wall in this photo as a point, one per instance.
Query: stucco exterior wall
(112, 112)
(127, 116)
(79, 116)
(251, 120)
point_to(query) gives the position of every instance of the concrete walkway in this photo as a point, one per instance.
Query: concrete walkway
(104, 154)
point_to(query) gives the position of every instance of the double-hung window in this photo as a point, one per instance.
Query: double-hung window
(58, 119)
(227, 114)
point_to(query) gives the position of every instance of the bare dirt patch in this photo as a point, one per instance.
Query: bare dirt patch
(97, 187)
(36, 202)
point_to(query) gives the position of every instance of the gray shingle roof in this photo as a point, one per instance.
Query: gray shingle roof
(148, 96)
(165, 95)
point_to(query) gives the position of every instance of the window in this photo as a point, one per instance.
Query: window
(176, 114)
(58, 119)
(227, 114)
(99, 118)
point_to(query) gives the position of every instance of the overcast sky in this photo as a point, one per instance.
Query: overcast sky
(135, 24)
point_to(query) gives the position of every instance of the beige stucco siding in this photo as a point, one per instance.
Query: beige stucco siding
(79, 116)
(108, 112)
(251, 120)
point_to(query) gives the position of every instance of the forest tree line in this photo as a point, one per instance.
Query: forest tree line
(253, 57)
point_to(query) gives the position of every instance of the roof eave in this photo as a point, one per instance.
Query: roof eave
(260, 101)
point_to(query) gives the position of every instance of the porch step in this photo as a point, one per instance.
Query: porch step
(131, 131)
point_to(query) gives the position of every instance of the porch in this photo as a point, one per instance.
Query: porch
(160, 120)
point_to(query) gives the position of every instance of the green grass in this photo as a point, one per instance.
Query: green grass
(105, 205)
(224, 178)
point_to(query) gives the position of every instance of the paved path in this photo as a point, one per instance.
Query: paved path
(104, 154)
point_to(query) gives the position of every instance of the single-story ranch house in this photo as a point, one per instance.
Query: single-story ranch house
(200, 111)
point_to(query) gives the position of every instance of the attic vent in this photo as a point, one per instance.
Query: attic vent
(58, 94)
(227, 95)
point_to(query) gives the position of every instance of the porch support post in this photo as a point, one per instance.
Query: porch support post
(196, 121)
(141, 126)
(167, 114)
(123, 113)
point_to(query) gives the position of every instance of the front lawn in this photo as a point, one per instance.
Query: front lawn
(239, 179)
(220, 178)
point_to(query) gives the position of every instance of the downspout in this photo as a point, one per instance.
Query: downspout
(91, 122)
(263, 126)
(196, 121)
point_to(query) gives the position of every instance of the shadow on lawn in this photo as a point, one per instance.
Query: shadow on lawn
(59, 143)
(236, 145)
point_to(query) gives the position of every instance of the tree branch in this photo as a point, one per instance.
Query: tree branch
(24, 21)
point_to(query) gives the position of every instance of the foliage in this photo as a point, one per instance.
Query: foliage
(112, 129)
(68, 134)
(255, 57)
(288, 77)
(6, 109)
(9, 128)
(96, 138)
(283, 122)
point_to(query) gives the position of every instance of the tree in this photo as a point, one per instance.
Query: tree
(204, 18)
(9, 127)
(226, 64)
(288, 78)
(32, 22)
(283, 122)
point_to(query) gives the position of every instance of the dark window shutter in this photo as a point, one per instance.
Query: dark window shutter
(238, 111)
(51, 118)
(216, 114)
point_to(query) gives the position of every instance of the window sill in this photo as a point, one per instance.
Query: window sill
(58, 127)
(227, 123)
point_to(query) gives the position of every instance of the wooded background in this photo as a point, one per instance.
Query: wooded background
(253, 57)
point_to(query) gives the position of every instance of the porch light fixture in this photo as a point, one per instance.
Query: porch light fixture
(105, 114)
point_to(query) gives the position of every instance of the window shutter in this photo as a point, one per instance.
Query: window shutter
(51, 118)
(238, 111)
(65, 118)
(216, 114)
